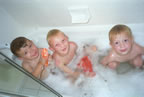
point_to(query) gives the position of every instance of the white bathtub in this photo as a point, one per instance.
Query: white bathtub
(107, 83)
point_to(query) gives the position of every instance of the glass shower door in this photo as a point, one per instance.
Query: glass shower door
(14, 80)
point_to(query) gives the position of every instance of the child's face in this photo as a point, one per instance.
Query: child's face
(29, 51)
(122, 44)
(59, 44)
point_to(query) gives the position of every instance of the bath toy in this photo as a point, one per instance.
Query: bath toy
(86, 64)
(45, 54)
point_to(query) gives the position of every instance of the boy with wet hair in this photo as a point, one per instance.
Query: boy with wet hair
(64, 52)
(31, 57)
(124, 48)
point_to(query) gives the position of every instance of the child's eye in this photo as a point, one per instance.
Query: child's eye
(30, 45)
(116, 43)
(63, 40)
(125, 40)
(25, 53)
(56, 45)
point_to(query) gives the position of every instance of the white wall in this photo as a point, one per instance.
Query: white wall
(19, 17)
(10, 28)
(55, 12)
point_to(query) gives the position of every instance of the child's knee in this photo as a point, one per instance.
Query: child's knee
(112, 65)
(138, 61)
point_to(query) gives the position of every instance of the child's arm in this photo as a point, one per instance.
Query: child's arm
(139, 48)
(93, 48)
(69, 71)
(104, 61)
(109, 61)
(37, 71)
(65, 69)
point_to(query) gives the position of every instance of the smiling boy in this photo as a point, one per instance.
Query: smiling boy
(124, 48)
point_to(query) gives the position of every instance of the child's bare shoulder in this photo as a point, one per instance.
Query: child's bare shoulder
(24, 63)
(137, 48)
(73, 44)
(26, 66)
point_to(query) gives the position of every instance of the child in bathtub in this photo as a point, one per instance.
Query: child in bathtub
(123, 49)
(30, 54)
(63, 53)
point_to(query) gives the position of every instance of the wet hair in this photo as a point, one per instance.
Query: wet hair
(17, 44)
(52, 33)
(120, 29)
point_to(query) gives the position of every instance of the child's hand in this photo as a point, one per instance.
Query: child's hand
(88, 50)
(93, 47)
(76, 75)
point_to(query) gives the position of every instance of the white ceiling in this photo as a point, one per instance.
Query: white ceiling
(55, 12)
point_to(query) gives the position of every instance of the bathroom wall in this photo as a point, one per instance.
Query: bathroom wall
(20, 17)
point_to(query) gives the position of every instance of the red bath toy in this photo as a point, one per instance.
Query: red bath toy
(86, 64)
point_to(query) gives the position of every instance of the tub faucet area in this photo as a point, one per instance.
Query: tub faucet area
(5, 46)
